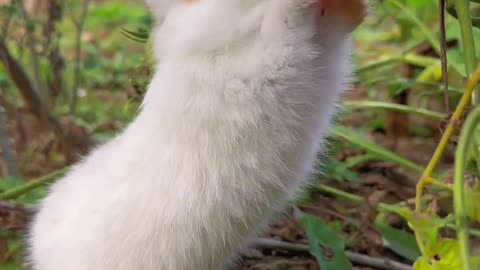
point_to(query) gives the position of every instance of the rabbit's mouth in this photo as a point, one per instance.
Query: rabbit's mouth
(350, 12)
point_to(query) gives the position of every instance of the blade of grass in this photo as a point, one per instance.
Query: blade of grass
(31, 185)
(386, 60)
(394, 107)
(382, 153)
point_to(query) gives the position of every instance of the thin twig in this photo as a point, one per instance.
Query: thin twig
(31, 43)
(79, 25)
(25, 85)
(443, 54)
(387, 264)
(6, 146)
(55, 57)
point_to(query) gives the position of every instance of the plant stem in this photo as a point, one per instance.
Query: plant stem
(457, 115)
(357, 199)
(463, 10)
(435, 182)
(466, 138)
(394, 107)
(31, 185)
(443, 54)
(385, 60)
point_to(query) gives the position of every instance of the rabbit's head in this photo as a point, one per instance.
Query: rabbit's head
(213, 24)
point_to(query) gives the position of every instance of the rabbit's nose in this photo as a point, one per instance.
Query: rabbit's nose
(351, 12)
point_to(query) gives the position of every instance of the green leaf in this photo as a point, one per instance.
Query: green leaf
(8, 183)
(414, 17)
(476, 262)
(432, 73)
(358, 160)
(446, 256)
(326, 244)
(7, 10)
(140, 35)
(418, 4)
(11, 266)
(399, 86)
(401, 242)
(428, 225)
(340, 172)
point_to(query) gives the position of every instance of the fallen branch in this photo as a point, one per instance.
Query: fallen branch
(357, 258)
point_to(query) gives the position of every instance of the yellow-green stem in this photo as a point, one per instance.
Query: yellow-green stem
(435, 182)
(457, 116)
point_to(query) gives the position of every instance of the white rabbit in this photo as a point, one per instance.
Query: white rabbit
(242, 97)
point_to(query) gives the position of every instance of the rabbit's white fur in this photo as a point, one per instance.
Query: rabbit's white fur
(243, 93)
